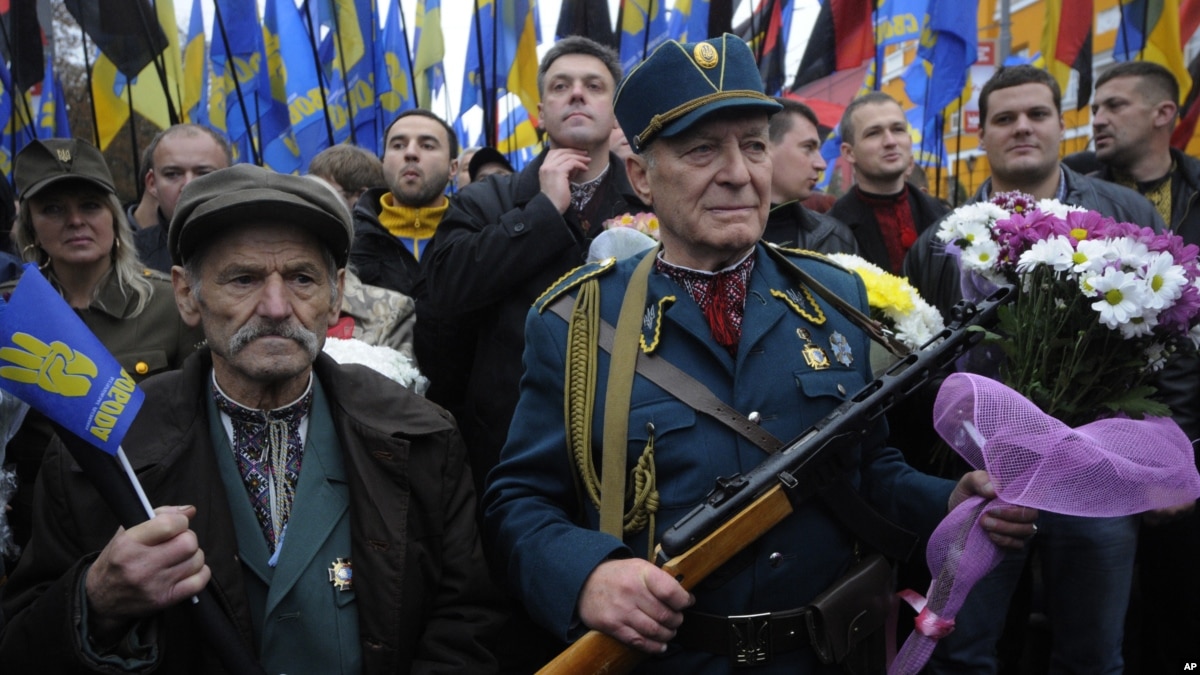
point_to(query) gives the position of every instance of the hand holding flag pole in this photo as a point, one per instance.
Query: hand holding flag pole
(50, 360)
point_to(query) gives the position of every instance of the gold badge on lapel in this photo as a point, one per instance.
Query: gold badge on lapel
(814, 356)
(341, 574)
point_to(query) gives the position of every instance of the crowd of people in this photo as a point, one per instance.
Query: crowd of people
(342, 522)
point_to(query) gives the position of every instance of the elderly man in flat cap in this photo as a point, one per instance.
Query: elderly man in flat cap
(330, 511)
(738, 320)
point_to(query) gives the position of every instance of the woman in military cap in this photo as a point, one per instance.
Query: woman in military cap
(71, 225)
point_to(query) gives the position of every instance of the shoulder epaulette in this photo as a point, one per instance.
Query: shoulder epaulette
(572, 279)
(803, 253)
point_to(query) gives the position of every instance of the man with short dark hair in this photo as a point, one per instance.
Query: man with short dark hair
(505, 240)
(1086, 563)
(329, 509)
(732, 313)
(883, 210)
(377, 316)
(393, 225)
(796, 156)
(179, 155)
(1134, 111)
(502, 243)
(1021, 131)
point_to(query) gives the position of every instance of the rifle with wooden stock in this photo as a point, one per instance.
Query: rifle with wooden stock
(743, 507)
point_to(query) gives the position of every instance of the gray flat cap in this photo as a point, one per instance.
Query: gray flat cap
(244, 193)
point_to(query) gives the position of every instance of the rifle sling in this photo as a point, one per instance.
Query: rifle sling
(842, 500)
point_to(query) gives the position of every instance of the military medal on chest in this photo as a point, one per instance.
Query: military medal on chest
(341, 574)
(841, 349)
(814, 356)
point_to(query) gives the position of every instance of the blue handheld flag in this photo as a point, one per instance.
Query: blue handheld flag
(50, 360)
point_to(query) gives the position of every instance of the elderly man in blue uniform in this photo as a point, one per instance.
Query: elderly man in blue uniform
(331, 511)
(731, 313)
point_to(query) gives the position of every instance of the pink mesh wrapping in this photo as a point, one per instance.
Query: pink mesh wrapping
(1111, 467)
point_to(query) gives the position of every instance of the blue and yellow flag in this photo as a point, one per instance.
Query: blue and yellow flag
(949, 42)
(1149, 31)
(50, 360)
(519, 37)
(430, 48)
(52, 119)
(643, 29)
(393, 70)
(237, 58)
(18, 128)
(195, 70)
(280, 151)
(475, 74)
(348, 52)
(516, 131)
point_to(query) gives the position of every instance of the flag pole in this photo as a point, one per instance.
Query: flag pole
(159, 65)
(87, 69)
(237, 85)
(878, 83)
(133, 144)
(316, 54)
(940, 139)
(487, 97)
(958, 146)
(120, 488)
(412, 73)
(341, 53)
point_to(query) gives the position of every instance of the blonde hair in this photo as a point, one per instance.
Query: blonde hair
(125, 262)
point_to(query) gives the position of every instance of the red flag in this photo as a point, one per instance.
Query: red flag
(1189, 19)
(842, 37)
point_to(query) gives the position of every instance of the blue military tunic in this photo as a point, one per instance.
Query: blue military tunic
(533, 512)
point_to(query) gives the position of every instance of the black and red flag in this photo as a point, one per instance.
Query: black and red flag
(842, 38)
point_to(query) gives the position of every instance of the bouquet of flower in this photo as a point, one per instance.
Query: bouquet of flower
(1100, 304)
(894, 302)
(644, 222)
(383, 360)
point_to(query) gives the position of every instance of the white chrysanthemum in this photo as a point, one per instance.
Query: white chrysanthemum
(1130, 254)
(968, 219)
(1120, 297)
(1164, 280)
(1156, 356)
(1092, 255)
(383, 360)
(1139, 326)
(980, 256)
(1057, 208)
(919, 326)
(1055, 252)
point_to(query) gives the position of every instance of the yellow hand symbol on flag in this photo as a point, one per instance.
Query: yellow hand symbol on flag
(54, 367)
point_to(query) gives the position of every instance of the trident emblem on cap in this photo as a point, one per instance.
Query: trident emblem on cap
(64, 155)
(706, 55)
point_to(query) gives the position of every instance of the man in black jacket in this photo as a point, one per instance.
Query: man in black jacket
(796, 156)
(178, 155)
(506, 239)
(885, 213)
(393, 225)
(1133, 115)
(1087, 563)
(1022, 145)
